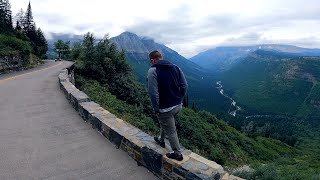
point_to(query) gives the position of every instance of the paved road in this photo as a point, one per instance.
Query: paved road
(42, 136)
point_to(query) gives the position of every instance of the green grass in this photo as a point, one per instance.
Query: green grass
(11, 45)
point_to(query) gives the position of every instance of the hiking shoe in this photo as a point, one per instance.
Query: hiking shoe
(158, 141)
(174, 155)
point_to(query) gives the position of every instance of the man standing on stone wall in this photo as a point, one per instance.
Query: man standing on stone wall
(166, 86)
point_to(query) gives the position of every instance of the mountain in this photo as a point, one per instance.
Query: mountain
(202, 92)
(221, 59)
(137, 50)
(276, 82)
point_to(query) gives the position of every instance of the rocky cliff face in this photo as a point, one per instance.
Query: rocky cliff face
(10, 62)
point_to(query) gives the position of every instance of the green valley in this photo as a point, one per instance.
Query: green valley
(266, 83)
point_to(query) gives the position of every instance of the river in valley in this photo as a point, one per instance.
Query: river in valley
(233, 104)
(234, 107)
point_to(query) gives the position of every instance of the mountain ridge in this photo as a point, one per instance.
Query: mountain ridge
(222, 58)
(137, 49)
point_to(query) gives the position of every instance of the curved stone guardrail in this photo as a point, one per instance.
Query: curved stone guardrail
(139, 145)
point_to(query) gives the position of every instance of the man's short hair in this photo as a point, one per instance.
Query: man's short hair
(155, 55)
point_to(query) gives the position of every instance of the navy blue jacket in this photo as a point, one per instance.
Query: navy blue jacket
(166, 85)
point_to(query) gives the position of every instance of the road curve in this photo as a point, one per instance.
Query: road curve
(42, 136)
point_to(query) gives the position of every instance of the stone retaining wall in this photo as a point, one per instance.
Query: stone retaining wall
(139, 145)
(9, 62)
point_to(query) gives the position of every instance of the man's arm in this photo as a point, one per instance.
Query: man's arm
(183, 84)
(153, 89)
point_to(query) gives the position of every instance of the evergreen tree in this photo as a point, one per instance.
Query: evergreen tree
(62, 48)
(32, 35)
(18, 27)
(19, 17)
(28, 24)
(5, 16)
(2, 16)
(8, 15)
(76, 50)
(185, 102)
(41, 43)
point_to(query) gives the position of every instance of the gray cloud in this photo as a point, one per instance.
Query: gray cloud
(177, 31)
(51, 18)
(295, 22)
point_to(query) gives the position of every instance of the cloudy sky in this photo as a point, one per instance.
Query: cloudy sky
(187, 26)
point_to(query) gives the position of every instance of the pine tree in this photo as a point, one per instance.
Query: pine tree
(18, 27)
(28, 20)
(41, 43)
(5, 16)
(19, 17)
(62, 48)
(185, 102)
(29, 28)
(8, 15)
(2, 15)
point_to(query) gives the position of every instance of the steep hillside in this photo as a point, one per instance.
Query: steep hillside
(270, 82)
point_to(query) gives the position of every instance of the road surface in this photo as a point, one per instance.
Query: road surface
(42, 136)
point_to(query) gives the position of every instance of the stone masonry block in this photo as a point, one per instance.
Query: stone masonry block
(115, 137)
(192, 176)
(123, 147)
(133, 147)
(64, 86)
(105, 130)
(86, 108)
(168, 167)
(63, 76)
(77, 97)
(168, 176)
(95, 122)
(152, 160)
(180, 171)
(138, 157)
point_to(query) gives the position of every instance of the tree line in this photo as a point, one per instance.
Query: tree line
(21, 27)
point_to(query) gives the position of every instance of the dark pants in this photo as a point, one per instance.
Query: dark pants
(168, 128)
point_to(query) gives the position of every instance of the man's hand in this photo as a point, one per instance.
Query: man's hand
(157, 114)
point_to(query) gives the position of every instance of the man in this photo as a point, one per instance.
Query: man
(166, 86)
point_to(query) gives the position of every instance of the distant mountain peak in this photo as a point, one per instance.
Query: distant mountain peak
(127, 33)
(224, 57)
